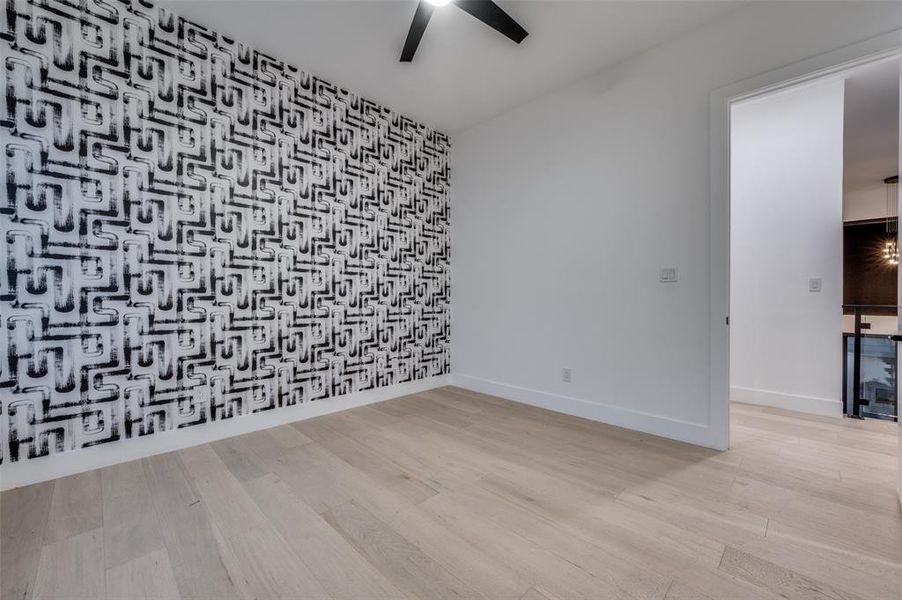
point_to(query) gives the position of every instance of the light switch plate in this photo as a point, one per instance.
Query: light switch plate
(668, 274)
(814, 284)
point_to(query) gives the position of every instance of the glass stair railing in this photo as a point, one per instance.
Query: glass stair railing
(870, 354)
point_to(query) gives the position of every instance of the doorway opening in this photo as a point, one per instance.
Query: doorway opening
(814, 267)
(814, 245)
(870, 241)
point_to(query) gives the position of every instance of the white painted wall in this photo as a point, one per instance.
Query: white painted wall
(867, 202)
(564, 209)
(786, 207)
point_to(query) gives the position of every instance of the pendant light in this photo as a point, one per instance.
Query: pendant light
(891, 246)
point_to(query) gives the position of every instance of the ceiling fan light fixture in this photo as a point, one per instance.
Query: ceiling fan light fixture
(486, 11)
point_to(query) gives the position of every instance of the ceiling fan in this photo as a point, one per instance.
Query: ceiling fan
(485, 10)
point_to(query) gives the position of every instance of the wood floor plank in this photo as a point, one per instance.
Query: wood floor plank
(715, 584)
(452, 493)
(607, 565)
(778, 579)
(533, 563)
(23, 518)
(288, 436)
(340, 569)
(187, 530)
(262, 565)
(821, 519)
(230, 507)
(868, 576)
(728, 521)
(399, 560)
(148, 577)
(76, 506)
(400, 512)
(436, 470)
(461, 403)
(374, 465)
(72, 568)
(312, 472)
(537, 593)
(443, 543)
(263, 446)
(239, 458)
(130, 526)
(506, 451)
(663, 545)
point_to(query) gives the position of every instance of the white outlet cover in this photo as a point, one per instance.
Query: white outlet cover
(566, 375)
(815, 284)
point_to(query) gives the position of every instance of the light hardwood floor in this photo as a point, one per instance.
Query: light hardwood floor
(454, 494)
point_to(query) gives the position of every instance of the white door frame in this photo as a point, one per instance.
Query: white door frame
(885, 46)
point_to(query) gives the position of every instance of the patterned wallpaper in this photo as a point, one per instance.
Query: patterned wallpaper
(193, 230)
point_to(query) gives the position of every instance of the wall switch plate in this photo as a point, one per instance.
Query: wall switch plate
(668, 274)
(814, 284)
(565, 375)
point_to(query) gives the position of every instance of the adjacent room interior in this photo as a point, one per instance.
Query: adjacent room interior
(814, 280)
(814, 222)
(400, 299)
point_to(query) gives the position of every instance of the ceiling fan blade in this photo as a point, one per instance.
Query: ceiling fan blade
(492, 15)
(417, 27)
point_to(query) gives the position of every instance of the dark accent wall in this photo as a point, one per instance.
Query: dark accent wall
(867, 278)
(193, 231)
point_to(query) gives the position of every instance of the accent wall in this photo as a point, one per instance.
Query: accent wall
(192, 231)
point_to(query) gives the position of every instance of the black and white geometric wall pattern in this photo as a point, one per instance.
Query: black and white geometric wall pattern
(193, 230)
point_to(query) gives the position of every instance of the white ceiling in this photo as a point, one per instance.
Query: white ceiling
(870, 147)
(464, 72)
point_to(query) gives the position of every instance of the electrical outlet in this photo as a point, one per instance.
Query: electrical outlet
(814, 284)
(668, 275)
(565, 375)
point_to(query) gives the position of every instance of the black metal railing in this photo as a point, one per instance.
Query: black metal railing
(876, 396)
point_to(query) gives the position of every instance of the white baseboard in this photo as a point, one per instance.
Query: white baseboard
(675, 429)
(827, 407)
(26, 472)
